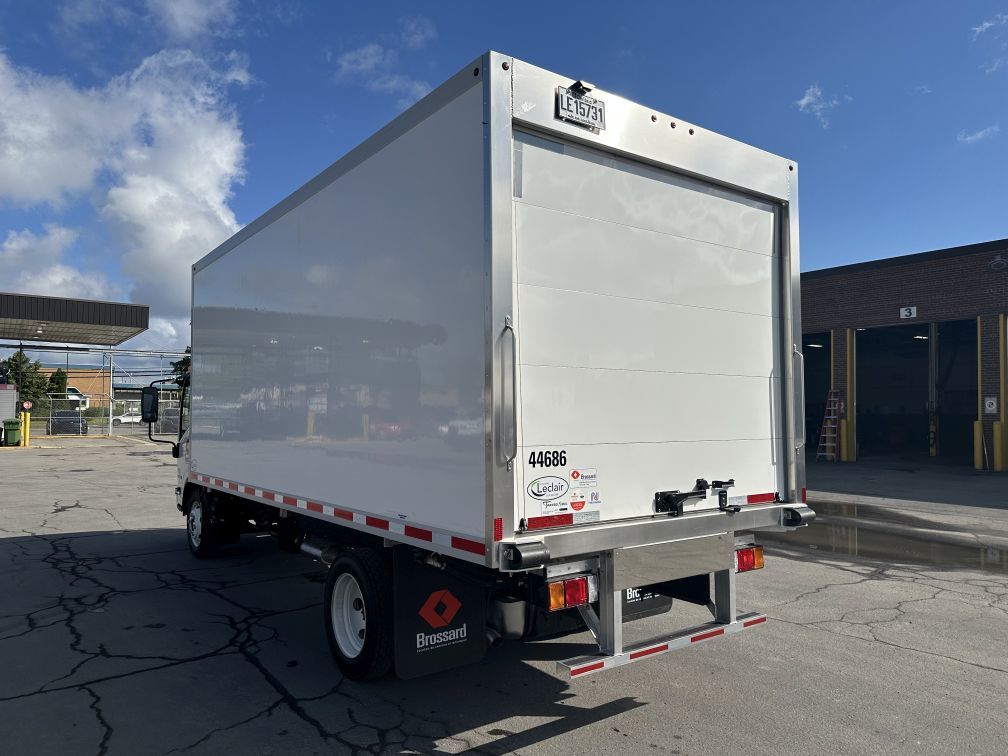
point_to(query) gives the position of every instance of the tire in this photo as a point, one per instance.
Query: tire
(360, 639)
(116, 422)
(200, 533)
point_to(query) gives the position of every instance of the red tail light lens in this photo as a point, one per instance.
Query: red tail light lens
(576, 591)
(749, 559)
(565, 594)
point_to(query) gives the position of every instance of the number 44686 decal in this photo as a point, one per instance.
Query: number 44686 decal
(549, 458)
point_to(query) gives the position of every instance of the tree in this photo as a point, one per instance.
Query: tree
(57, 382)
(28, 376)
(180, 368)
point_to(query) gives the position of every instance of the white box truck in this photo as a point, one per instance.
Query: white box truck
(524, 362)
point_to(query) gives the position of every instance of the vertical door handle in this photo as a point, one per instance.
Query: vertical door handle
(799, 409)
(508, 436)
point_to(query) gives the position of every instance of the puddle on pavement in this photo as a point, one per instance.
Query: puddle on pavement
(829, 535)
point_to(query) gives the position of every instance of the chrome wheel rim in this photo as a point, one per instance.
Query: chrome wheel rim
(196, 523)
(349, 619)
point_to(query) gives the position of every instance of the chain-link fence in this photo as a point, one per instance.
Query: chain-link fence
(99, 415)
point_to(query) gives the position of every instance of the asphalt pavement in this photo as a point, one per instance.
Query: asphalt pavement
(113, 639)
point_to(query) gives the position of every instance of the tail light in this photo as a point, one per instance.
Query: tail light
(565, 594)
(749, 558)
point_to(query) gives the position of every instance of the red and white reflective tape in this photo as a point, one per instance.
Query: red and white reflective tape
(755, 498)
(360, 520)
(567, 518)
(587, 664)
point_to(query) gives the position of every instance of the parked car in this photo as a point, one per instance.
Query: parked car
(130, 417)
(67, 422)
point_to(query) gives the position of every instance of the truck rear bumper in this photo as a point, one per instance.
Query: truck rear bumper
(581, 666)
(591, 539)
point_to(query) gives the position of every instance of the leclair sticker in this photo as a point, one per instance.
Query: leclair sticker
(583, 476)
(547, 488)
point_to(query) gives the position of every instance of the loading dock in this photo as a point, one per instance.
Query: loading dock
(915, 351)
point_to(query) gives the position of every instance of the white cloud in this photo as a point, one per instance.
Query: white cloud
(159, 151)
(417, 32)
(374, 65)
(409, 90)
(819, 105)
(165, 330)
(923, 89)
(977, 136)
(53, 136)
(995, 65)
(187, 19)
(999, 19)
(366, 60)
(183, 20)
(35, 264)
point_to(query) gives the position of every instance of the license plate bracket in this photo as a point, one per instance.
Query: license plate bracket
(580, 108)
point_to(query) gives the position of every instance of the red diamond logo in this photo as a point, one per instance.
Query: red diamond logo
(440, 609)
(575, 474)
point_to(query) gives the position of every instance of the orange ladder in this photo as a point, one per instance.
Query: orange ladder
(828, 433)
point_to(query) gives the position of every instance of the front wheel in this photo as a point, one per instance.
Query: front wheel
(358, 614)
(199, 527)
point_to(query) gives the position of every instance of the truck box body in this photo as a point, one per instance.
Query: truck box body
(492, 324)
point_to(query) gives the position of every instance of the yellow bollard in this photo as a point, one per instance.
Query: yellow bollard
(978, 455)
(27, 429)
(999, 450)
(21, 417)
(311, 424)
(844, 456)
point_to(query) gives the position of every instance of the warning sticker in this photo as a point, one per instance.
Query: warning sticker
(578, 501)
(580, 517)
(584, 476)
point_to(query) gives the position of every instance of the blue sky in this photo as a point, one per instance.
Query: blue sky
(135, 136)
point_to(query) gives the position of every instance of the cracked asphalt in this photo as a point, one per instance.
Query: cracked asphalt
(113, 639)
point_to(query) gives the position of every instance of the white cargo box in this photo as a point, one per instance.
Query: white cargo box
(514, 315)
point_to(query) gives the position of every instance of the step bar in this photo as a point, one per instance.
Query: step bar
(582, 666)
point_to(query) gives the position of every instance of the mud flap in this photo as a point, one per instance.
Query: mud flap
(440, 618)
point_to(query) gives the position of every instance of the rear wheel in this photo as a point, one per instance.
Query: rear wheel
(358, 614)
(199, 526)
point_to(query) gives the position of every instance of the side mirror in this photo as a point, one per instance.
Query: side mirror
(175, 451)
(149, 404)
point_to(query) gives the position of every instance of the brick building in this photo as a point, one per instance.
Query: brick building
(914, 348)
(90, 380)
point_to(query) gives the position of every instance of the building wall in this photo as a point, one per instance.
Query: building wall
(956, 284)
(91, 381)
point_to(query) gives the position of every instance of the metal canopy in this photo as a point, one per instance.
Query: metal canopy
(28, 318)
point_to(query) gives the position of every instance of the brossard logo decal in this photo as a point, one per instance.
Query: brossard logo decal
(547, 488)
(438, 611)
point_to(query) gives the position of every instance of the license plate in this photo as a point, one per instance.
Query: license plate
(581, 109)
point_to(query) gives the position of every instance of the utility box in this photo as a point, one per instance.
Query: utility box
(497, 312)
(8, 401)
(532, 334)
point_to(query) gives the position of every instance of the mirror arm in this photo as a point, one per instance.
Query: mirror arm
(150, 426)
